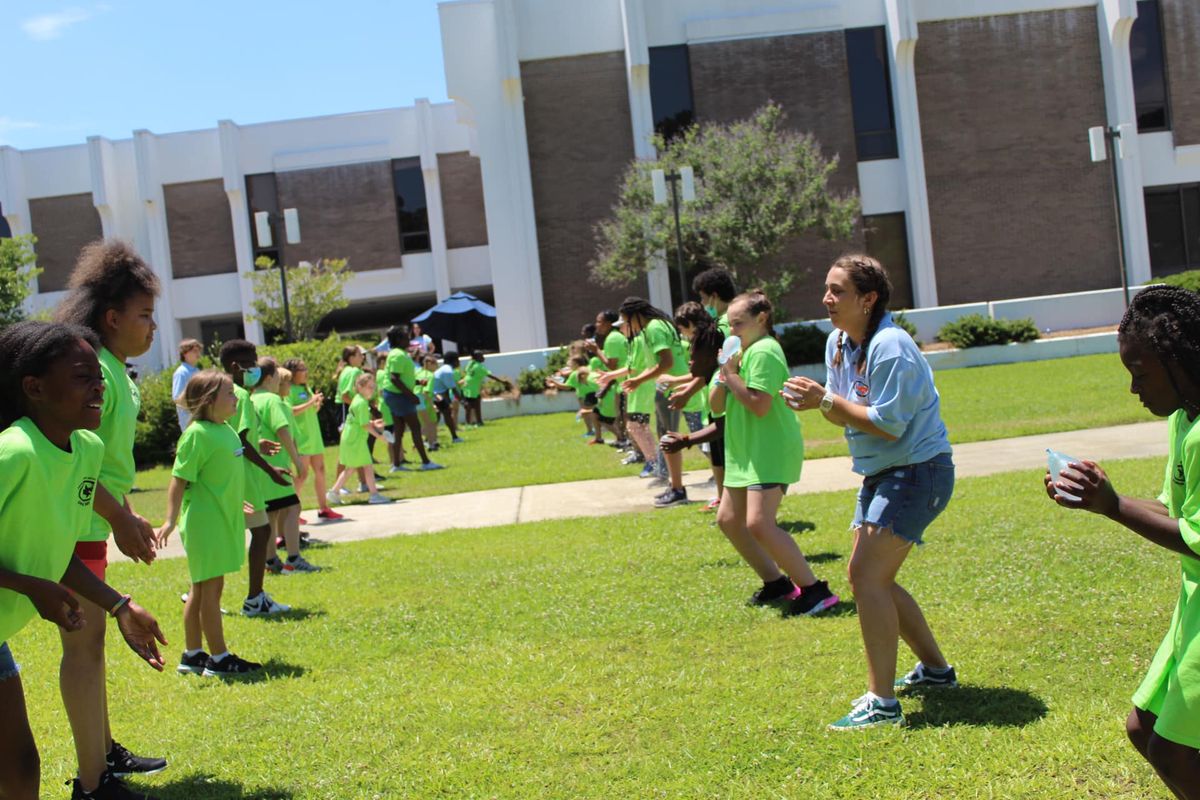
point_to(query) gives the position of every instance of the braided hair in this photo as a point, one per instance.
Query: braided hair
(107, 274)
(706, 341)
(638, 307)
(1166, 319)
(867, 275)
(28, 349)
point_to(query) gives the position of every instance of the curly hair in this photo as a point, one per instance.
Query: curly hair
(715, 281)
(1166, 319)
(29, 349)
(236, 349)
(691, 314)
(867, 275)
(108, 273)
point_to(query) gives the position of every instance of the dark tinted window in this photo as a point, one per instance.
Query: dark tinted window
(886, 240)
(671, 90)
(1149, 69)
(5, 231)
(412, 213)
(261, 195)
(1173, 227)
(871, 93)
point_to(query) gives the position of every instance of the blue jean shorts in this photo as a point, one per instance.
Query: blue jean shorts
(906, 499)
(399, 405)
(8, 667)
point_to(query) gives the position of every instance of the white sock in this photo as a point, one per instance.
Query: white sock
(219, 657)
(884, 701)
(193, 653)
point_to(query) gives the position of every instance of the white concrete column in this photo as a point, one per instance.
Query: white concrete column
(427, 140)
(104, 185)
(150, 197)
(902, 36)
(1116, 19)
(16, 205)
(487, 79)
(239, 211)
(641, 113)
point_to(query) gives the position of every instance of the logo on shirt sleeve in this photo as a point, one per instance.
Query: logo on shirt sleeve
(860, 390)
(1179, 476)
(86, 490)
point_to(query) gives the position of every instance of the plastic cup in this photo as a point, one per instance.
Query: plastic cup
(1056, 463)
(389, 437)
(730, 348)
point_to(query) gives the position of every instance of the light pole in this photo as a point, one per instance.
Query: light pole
(291, 228)
(1108, 144)
(685, 176)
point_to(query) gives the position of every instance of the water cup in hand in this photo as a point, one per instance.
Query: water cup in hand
(1056, 463)
(730, 348)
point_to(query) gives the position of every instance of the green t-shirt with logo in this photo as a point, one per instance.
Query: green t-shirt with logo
(245, 419)
(212, 524)
(768, 449)
(118, 425)
(273, 417)
(473, 377)
(346, 379)
(308, 427)
(399, 362)
(1171, 688)
(46, 499)
(352, 447)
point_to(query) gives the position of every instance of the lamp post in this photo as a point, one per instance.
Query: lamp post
(1108, 144)
(682, 182)
(291, 228)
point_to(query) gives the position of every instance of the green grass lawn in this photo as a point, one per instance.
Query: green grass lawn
(978, 404)
(614, 658)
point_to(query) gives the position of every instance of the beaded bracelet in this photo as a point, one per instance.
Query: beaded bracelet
(112, 612)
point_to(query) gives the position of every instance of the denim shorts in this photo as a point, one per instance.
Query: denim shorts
(8, 667)
(906, 499)
(399, 405)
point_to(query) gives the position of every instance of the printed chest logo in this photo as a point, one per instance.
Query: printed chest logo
(860, 390)
(87, 488)
(1179, 477)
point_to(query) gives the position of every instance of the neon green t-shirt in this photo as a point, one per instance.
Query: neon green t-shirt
(308, 427)
(582, 387)
(641, 399)
(473, 377)
(425, 389)
(723, 324)
(211, 525)
(346, 379)
(696, 402)
(399, 362)
(608, 403)
(45, 508)
(352, 447)
(118, 424)
(246, 420)
(1171, 688)
(707, 392)
(768, 449)
(384, 412)
(273, 417)
(616, 346)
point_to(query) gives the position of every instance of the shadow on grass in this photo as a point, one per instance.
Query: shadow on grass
(293, 615)
(822, 558)
(199, 787)
(844, 608)
(797, 526)
(997, 706)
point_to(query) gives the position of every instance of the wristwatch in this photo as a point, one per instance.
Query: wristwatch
(827, 402)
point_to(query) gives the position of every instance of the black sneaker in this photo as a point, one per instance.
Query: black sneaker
(773, 592)
(192, 665)
(111, 788)
(671, 497)
(122, 763)
(229, 667)
(812, 601)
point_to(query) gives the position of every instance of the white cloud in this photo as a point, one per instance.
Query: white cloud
(8, 125)
(51, 26)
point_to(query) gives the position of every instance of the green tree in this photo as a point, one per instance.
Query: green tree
(758, 185)
(314, 291)
(17, 270)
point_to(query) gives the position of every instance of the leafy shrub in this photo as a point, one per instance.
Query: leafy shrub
(1189, 280)
(903, 324)
(157, 426)
(803, 344)
(976, 330)
(533, 381)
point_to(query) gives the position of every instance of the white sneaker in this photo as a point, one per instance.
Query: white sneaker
(397, 468)
(344, 492)
(362, 487)
(378, 500)
(428, 466)
(263, 605)
(333, 498)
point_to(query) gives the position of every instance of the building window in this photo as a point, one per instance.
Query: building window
(261, 195)
(671, 90)
(871, 93)
(412, 213)
(1149, 69)
(886, 240)
(1173, 227)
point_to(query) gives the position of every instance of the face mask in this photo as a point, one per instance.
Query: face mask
(251, 377)
(712, 311)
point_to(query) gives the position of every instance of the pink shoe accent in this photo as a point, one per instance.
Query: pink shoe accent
(796, 592)
(824, 605)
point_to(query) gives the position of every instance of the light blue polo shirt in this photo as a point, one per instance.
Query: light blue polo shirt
(183, 373)
(897, 388)
(444, 381)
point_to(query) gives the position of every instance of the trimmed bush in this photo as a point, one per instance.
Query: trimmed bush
(1189, 280)
(533, 381)
(976, 330)
(903, 324)
(803, 344)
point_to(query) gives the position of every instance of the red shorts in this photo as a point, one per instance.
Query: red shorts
(94, 556)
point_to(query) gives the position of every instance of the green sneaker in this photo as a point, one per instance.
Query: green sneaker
(869, 712)
(922, 675)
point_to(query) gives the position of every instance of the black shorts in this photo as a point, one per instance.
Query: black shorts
(590, 400)
(280, 503)
(716, 452)
(442, 402)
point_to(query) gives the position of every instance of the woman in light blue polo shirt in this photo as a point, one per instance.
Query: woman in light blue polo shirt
(880, 388)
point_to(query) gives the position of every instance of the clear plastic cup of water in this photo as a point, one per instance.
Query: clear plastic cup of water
(730, 348)
(1056, 463)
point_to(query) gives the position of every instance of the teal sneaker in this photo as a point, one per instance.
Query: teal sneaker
(869, 712)
(923, 676)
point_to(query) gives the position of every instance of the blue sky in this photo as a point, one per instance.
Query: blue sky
(75, 69)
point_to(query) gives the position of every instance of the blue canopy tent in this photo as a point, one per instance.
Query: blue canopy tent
(464, 319)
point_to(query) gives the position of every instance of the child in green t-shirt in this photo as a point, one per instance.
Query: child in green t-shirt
(578, 379)
(305, 405)
(426, 411)
(352, 447)
(1159, 344)
(763, 454)
(706, 342)
(474, 376)
(206, 499)
(349, 368)
(51, 394)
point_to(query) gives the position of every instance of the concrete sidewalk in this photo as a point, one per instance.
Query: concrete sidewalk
(598, 498)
